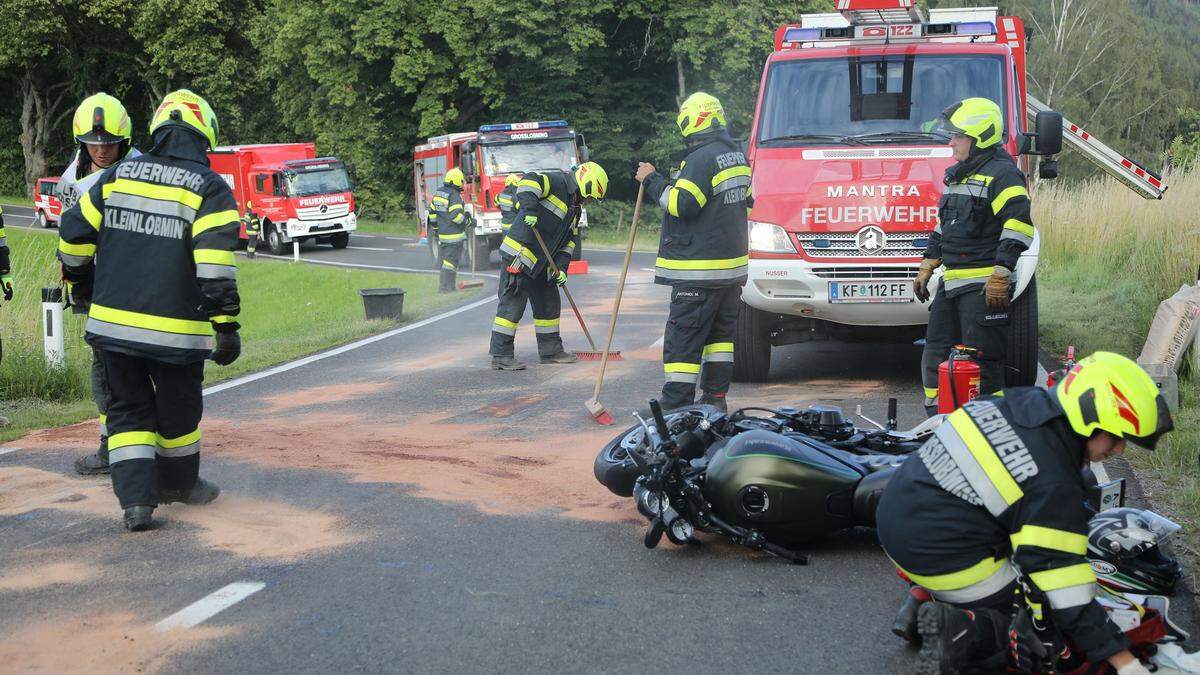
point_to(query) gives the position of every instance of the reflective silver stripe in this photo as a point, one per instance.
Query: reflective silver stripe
(531, 190)
(966, 189)
(74, 260)
(211, 271)
(3, 241)
(960, 283)
(553, 208)
(732, 183)
(700, 275)
(131, 452)
(148, 336)
(545, 330)
(522, 255)
(103, 429)
(980, 589)
(160, 207)
(717, 357)
(687, 378)
(993, 501)
(1018, 236)
(506, 330)
(181, 451)
(1071, 596)
(938, 228)
(664, 200)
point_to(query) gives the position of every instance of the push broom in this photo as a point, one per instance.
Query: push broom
(594, 354)
(593, 405)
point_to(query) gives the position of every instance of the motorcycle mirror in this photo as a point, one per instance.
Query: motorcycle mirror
(654, 533)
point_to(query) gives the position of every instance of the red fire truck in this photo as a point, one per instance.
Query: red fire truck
(848, 171)
(487, 157)
(297, 195)
(47, 209)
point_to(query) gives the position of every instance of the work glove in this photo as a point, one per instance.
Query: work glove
(921, 283)
(1027, 653)
(228, 348)
(79, 295)
(531, 220)
(995, 292)
(559, 279)
(6, 283)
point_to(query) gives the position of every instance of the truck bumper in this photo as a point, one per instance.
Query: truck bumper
(799, 288)
(316, 228)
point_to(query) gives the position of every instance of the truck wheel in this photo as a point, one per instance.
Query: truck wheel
(751, 346)
(274, 238)
(42, 221)
(1021, 361)
(339, 239)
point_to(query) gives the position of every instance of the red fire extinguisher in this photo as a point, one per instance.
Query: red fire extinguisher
(1053, 378)
(958, 379)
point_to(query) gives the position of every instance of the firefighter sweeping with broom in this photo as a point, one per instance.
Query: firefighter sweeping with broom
(535, 254)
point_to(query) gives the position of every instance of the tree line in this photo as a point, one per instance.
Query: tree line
(368, 79)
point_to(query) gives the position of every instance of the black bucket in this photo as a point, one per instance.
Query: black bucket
(383, 303)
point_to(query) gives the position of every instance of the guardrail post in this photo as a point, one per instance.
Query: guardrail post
(52, 326)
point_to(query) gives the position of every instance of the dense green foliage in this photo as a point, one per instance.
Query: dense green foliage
(367, 79)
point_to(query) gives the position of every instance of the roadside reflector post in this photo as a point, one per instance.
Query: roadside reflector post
(52, 326)
(295, 250)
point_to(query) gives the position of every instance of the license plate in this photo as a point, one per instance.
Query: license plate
(870, 291)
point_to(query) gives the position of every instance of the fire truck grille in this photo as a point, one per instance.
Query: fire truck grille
(331, 211)
(858, 273)
(845, 245)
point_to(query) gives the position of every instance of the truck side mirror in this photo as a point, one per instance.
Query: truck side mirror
(1049, 126)
(585, 155)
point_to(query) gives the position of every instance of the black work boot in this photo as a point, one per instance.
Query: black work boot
(96, 463)
(202, 492)
(947, 634)
(506, 363)
(905, 624)
(137, 518)
(715, 400)
(560, 357)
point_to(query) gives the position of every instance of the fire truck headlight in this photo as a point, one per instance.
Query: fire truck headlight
(770, 238)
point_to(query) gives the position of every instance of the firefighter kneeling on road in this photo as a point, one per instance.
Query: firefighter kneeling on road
(151, 246)
(983, 227)
(253, 228)
(998, 495)
(549, 204)
(450, 219)
(703, 254)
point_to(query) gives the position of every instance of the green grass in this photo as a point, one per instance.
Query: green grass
(16, 200)
(405, 226)
(289, 310)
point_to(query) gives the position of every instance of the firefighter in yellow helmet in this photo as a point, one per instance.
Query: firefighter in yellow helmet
(997, 496)
(549, 204)
(253, 228)
(703, 254)
(163, 221)
(984, 225)
(448, 216)
(102, 132)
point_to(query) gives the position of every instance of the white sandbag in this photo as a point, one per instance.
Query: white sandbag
(1173, 329)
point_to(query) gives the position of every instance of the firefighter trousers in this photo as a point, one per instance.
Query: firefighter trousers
(100, 392)
(698, 343)
(540, 293)
(153, 424)
(965, 319)
(450, 253)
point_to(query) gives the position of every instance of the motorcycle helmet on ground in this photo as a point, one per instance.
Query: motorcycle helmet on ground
(1124, 551)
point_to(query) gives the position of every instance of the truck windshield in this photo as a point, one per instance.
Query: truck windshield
(872, 99)
(318, 182)
(513, 157)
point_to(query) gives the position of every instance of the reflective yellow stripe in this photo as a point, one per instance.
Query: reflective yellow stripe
(1006, 195)
(722, 264)
(152, 191)
(986, 180)
(451, 238)
(544, 322)
(188, 439)
(931, 392)
(149, 321)
(1050, 538)
(969, 273)
(76, 249)
(988, 460)
(557, 202)
(456, 207)
(222, 318)
(89, 210)
(693, 368)
(718, 348)
(132, 438)
(1064, 577)
(531, 184)
(500, 321)
(693, 189)
(731, 172)
(1018, 226)
(960, 579)
(213, 256)
(205, 223)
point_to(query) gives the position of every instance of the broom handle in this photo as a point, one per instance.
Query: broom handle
(554, 268)
(612, 323)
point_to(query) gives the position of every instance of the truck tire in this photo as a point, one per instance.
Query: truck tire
(434, 256)
(274, 239)
(751, 346)
(339, 239)
(42, 221)
(1021, 361)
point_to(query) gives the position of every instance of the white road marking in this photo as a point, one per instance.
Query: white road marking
(368, 248)
(208, 606)
(659, 342)
(5, 451)
(292, 365)
(399, 238)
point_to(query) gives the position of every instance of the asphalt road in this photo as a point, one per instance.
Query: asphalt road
(402, 507)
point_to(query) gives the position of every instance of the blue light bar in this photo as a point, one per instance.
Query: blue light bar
(801, 34)
(522, 126)
(976, 28)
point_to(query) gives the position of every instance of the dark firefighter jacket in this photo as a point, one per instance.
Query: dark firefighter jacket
(448, 214)
(551, 197)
